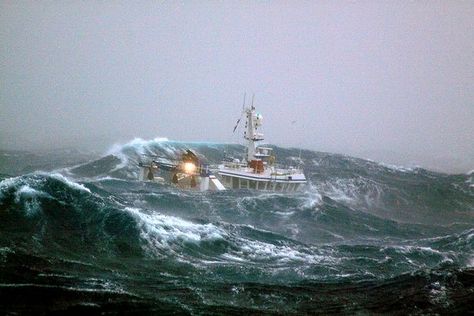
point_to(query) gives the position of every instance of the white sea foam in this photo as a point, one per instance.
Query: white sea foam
(166, 232)
(108, 287)
(162, 231)
(312, 197)
(137, 146)
(116, 150)
(29, 197)
(438, 294)
(56, 275)
(9, 182)
(297, 160)
(26, 191)
(395, 167)
(30, 187)
(4, 251)
(315, 162)
(340, 190)
(353, 191)
(254, 250)
(232, 257)
(68, 182)
(410, 249)
(108, 178)
(284, 213)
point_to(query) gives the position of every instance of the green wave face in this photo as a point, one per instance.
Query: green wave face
(361, 237)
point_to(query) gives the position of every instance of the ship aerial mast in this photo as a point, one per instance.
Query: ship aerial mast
(253, 122)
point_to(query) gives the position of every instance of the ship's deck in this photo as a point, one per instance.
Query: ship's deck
(269, 174)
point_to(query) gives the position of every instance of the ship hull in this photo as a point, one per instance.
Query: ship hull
(277, 183)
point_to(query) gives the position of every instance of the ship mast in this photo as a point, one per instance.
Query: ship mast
(250, 134)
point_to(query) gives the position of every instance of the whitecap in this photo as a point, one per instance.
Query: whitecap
(68, 182)
(255, 250)
(395, 167)
(26, 191)
(160, 230)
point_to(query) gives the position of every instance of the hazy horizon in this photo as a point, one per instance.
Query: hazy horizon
(387, 81)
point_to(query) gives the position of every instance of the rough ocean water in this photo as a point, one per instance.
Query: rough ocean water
(80, 234)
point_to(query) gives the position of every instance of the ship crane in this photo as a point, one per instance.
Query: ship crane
(185, 173)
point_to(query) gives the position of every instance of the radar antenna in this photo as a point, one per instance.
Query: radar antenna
(241, 114)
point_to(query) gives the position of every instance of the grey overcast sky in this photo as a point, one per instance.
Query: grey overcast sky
(387, 80)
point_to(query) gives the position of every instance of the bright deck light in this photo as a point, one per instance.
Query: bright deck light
(189, 167)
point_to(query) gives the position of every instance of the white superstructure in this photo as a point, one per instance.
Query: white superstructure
(258, 170)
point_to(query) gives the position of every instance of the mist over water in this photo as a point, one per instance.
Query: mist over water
(362, 237)
(391, 82)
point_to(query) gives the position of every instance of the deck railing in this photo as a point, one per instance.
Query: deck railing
(277, 168)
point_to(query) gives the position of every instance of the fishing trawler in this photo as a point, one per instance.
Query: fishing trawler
(258, 170)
